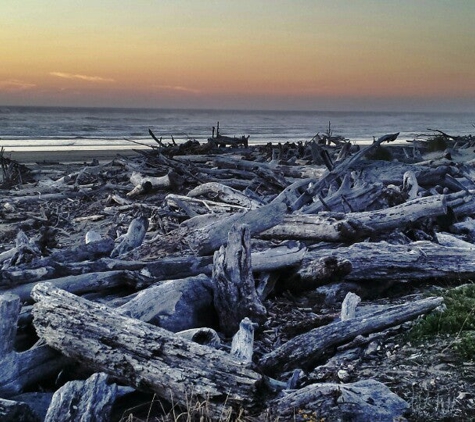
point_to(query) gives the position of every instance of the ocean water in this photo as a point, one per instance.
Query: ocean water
(62, 127)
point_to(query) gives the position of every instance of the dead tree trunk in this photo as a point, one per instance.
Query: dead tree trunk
(141, 355)
(235, 296)
(307, 349)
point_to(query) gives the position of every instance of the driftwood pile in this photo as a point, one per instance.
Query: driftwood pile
(161, 274)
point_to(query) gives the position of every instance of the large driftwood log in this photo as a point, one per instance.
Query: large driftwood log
(422, 260)
(225, 194)
(85, 401)
(235, 295)
(307, 349)
(175, 305)
(330, 227)
(141, 355)
(14, 411)
(209, 238)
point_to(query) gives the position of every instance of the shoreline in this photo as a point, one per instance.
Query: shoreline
(67, 156)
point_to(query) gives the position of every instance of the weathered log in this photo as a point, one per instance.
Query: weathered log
(307, 349)
(338, 172)
(333, 227)
(175, 305)
(209, 238)
(421, 260)
(242, 346)
(362, 401)
(144, 184)
(141, 355)
(204, 335)
(133, 238)
(14, 411)
(76, 284)
(235, 295)
(18, 370)
(87, 401)
(348, 307)
(225, 194)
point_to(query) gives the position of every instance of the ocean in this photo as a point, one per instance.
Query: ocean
(95, 128)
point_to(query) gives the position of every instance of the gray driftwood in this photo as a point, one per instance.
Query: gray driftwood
(85, 401)
(235, 295)
(307, 349)
(141, 355)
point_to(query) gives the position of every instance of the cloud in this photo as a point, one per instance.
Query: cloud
(15, 85)
(81, 77)
(177, 88)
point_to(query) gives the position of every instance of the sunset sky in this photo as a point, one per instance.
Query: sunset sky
(406, 55)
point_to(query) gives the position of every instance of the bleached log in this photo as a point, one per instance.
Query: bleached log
(449, 240)
(242, 345)
(422, 260)
(145, 184)
(348, 307)
(133, 238)
(175, 305)
(410, 185)
(235, 295)
(141, 355)
(87, 401)
(306, 349)
(224, 194)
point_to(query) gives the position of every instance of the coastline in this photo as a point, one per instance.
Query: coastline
(63, 156)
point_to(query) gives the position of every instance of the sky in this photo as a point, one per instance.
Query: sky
(371, 55)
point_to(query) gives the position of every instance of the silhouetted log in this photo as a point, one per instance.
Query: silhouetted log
(133, 238)
(362, 401)
(329, 227)
(175, 305)
(14, 411)
(235, 295)
(88, 401)
(141, 355)
(307, 349)
(422, 260)
(18, 370)
(225, 194)
(207, 239)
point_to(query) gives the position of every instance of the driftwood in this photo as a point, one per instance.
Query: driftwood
(19, 370)
(235, 295)
(307, 349)
(422, 260)
(175, 305)
(141, 355)
(361, 401)
(89, 400)
(133, 238)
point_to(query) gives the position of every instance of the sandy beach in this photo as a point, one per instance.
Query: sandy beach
(67, 156)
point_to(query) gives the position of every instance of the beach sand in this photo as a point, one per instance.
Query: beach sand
(67, 156)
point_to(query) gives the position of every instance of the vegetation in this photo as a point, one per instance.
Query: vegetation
(458, 319)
